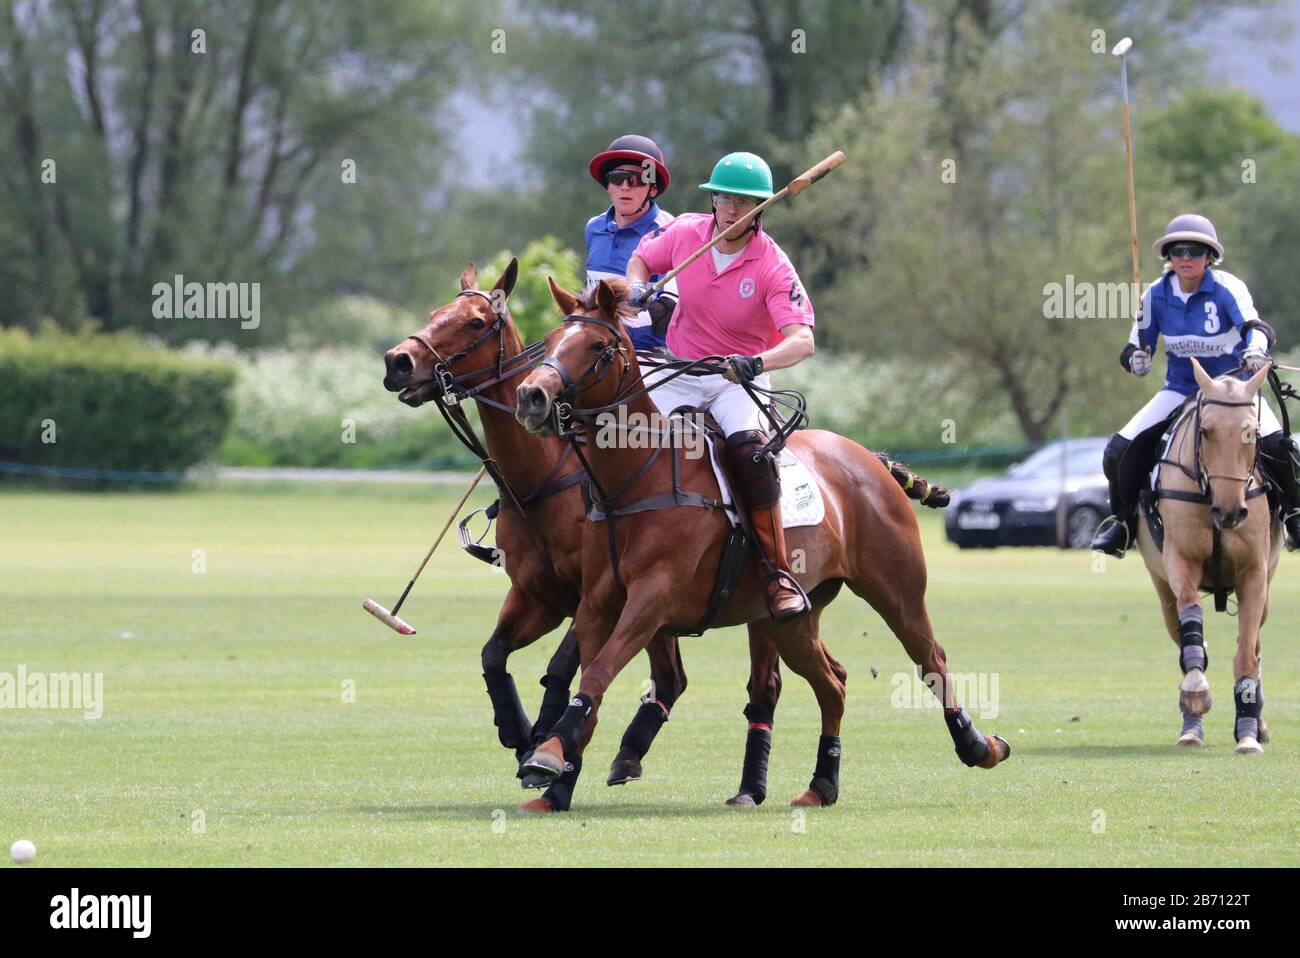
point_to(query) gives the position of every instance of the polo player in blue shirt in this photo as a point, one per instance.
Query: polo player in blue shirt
(634, 175)
(1209, 314)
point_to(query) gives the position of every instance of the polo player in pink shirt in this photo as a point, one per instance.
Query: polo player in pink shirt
(743, 301)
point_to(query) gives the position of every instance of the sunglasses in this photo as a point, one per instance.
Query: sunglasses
(742, 203)
(1186, 251)
(624, 177)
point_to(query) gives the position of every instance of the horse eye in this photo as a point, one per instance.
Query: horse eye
(477, 324)
(597, 347)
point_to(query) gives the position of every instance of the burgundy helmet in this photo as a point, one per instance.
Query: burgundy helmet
(631, 148)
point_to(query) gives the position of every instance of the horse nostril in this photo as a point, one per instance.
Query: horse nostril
(400, 367)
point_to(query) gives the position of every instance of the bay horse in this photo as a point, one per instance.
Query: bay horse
(1213, 461)
(647, 577)
(471, 348)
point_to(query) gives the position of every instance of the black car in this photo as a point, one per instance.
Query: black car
(1020, 508)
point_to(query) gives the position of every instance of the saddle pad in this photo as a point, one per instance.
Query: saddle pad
(801, 499)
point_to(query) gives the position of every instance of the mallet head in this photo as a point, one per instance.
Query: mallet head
(386, 617)
(1122, 47)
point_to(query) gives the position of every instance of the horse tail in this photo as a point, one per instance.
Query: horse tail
(916, 486)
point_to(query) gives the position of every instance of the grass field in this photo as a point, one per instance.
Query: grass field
(227, 738)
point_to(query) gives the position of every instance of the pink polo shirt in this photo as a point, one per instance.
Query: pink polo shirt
(740, 310)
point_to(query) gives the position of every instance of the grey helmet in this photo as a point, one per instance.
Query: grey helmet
(1190, 227)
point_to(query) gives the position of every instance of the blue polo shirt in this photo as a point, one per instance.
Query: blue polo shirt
(1207, 326)
(609, 247)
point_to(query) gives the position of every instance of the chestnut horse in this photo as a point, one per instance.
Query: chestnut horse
(471, 347)
(652, 586)
(1214, 461)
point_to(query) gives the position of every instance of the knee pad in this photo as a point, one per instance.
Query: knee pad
(1114, 454)
(757, 474)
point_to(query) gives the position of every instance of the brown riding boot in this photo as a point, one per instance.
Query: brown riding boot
(758, 483)
(784, 599)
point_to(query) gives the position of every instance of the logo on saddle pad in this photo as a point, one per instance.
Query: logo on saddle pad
(747, 287)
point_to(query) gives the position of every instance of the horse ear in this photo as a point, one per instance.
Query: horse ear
(1202, 377)
(469, 277)
(607, 299)
(1257, 380)
(567, 302)
(506, 281)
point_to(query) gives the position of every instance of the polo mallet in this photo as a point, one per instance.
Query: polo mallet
(390, 619)
(1121, 50)
(793, 188)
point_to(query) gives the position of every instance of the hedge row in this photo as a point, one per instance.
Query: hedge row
(109, 402)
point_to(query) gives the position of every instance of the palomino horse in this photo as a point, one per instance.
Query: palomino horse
(470, 347)
(641, 579)
(1213, 460)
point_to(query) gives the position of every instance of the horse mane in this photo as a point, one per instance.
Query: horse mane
(621, 293)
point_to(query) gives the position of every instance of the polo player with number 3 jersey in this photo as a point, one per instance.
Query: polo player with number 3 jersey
(1208, 314)
(744, 302)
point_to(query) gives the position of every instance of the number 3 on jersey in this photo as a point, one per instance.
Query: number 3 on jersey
(1211, 317)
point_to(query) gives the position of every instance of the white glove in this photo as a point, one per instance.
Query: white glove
(1140, 362)
(1254, 358)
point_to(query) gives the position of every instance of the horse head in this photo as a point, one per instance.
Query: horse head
(588, 359)
(462, 344)
(1227, 441)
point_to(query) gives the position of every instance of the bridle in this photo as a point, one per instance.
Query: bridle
(562, 407)
(1203, 475)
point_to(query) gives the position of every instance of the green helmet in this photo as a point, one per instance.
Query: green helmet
(741, 174)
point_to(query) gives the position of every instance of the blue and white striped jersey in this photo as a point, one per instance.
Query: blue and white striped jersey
(1208, 326)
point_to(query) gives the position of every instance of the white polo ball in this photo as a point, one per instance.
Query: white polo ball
(22, 851)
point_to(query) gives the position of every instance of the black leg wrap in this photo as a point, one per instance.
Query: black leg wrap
(826, 776)
(647, 722)
(972, 748)
(753, 775)
(554, 701)
(1249, 698)
(507, 711)
(1191, 641)
(560, 794)
(572, 722)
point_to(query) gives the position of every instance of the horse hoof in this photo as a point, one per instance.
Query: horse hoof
(999, 750)
(542, 769)
(1263, 733)
(807, 799)
(742, 800)
(1249, 746)
(624, 771)
(538, 806)
(1190, 740)
(1194, 693)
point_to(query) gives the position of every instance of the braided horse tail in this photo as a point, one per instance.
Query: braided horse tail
(917, 487)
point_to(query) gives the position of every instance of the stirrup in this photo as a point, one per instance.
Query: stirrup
(781, 575)
(1102, 528)
(1292, 542)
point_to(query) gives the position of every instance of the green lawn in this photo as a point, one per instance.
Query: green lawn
(226, 738)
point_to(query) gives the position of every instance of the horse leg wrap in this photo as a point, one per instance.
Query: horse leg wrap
(647, 722)
(1193, 723)
(560, 794)
(758, 746)
(554, 701)
(569, 728)
(1191, 639)
(1250, 703)
(826, 775)
(972, 748)
(507, 711)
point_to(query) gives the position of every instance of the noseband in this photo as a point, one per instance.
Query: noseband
(449, 384)
(562, 407)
